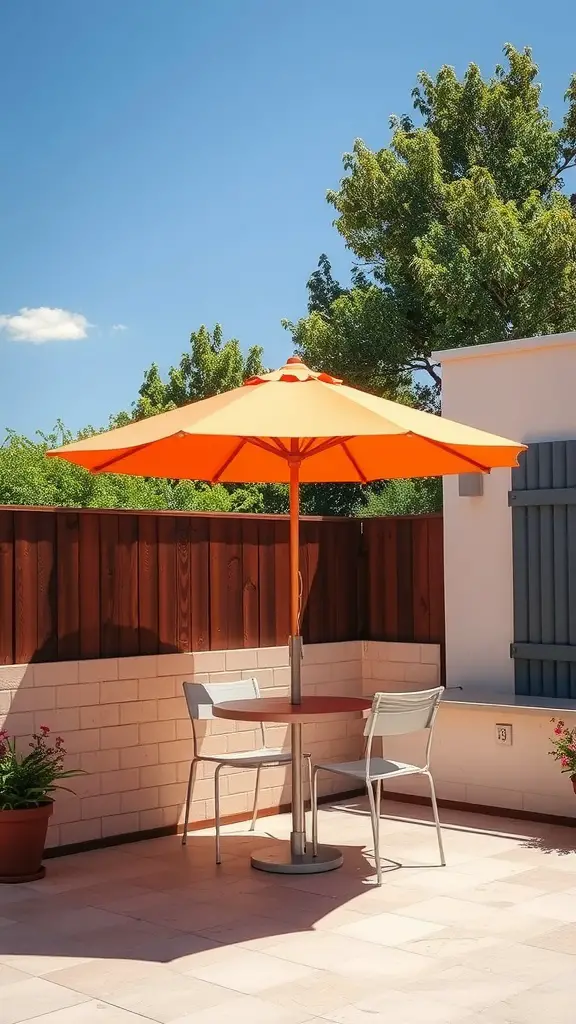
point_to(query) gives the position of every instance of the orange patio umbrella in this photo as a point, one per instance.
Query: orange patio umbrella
(291, 426)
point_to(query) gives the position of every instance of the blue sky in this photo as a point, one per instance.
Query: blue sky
(166, 163)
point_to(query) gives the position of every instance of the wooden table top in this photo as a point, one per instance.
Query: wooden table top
(279, 709)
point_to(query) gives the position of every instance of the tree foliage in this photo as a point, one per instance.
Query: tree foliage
(27, 477)
(461, 225)
(208, 367)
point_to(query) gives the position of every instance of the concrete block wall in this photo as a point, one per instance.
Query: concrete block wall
(468, 764)
(125, 723)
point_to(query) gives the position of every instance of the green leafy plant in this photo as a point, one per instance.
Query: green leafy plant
(28, 780)
(564, 747)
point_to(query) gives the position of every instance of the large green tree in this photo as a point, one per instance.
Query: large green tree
(461, 227)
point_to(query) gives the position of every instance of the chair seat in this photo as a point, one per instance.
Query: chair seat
(250, 758)
(380, 768)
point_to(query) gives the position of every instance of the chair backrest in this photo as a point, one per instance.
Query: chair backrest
(201, 697)
(397, 714)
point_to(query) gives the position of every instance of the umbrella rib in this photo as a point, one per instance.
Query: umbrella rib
(452, 451)
(347, 451)
(277, 449)
(124, 455)
(230, 459)
(332, 442)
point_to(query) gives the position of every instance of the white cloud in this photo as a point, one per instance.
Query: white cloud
(44, 324)
(119, 327)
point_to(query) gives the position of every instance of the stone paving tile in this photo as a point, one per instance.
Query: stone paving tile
(89, 1013)
(158, 932)
(21, 1000)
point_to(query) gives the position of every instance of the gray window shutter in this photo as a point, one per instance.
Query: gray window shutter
(543, 503)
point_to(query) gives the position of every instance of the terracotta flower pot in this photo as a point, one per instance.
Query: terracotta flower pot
(22, 839)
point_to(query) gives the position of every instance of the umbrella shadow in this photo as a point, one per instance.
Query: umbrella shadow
(157, 902)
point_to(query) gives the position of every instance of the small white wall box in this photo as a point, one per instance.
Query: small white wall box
(471, 485)
(504, 735)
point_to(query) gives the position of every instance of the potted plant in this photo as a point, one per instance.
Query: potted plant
(27, 782)
(564, 749)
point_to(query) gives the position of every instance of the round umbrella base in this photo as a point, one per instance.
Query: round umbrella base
(284, 862)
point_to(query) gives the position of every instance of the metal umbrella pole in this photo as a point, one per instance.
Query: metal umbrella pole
(299, 858)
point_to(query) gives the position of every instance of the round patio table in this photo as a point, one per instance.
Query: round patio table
(280, 709)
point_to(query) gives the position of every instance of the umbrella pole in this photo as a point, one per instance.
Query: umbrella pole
(298, 834)
(296, 858)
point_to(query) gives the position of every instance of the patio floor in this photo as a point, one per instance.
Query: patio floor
(152, 931)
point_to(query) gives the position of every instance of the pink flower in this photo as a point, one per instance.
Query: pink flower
(44, 729)
(558, 730)
(565, 761)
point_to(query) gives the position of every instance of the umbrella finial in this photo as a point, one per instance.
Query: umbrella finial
(293, 359)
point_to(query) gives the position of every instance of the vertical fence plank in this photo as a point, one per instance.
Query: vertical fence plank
(182, 596)
(109, 646)
(312, 611)
(391, 571)
(348, 561)
(374, 562)
(68, 531)
(250, 596)
(90, 575)
(403, 553)
(126, 585)
(167, 617)
(234, 603)
(218, 553)
(267, 582)
(420, 581)
(200, 584)
(25, 586)
(282, 582)
(47, 649)
(7, 655)
(148, 584)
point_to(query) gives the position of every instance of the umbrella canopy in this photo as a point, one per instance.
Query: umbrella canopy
(251, 435)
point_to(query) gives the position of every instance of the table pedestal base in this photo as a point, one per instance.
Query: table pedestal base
(284, 862)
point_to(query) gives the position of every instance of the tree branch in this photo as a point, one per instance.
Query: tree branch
(429, 367)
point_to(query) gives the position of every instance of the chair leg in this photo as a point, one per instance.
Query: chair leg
(308, 759)
(379, 785)
(191, 779)
(375, 831)
(314, 802)
(217, 810)
(256, 793)
(436, 819)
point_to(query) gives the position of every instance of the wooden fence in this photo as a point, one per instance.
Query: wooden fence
(78, 584)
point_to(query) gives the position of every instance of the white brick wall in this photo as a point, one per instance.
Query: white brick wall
(125, 723)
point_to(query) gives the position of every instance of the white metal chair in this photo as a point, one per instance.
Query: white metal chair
(392, 714)
(200, 699)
